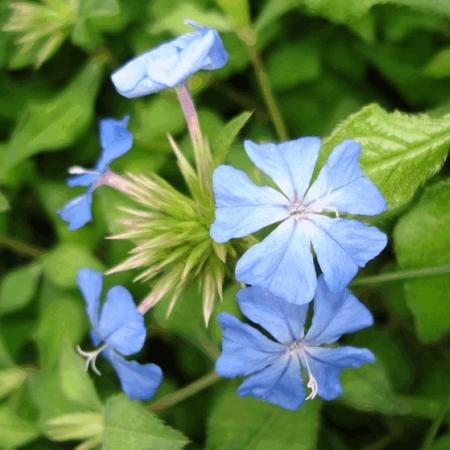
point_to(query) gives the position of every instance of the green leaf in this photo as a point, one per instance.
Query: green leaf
(237, 10)
(173, 22)
(272, 10)
(54, 124)
(399, 151)
(443, 443)
(75, 382)
(18, 288)
(284, 69)
(62, 322)
(128, 425)
(369, 389)
(15, 431)
(11, 379)
(439, 65)
(62, 263)
(222, 142)
(250, 424)
(4, 204)
(422, 240)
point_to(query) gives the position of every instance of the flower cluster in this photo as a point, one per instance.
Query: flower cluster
(175, 242)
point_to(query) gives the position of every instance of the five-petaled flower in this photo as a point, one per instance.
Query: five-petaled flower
(118, 331)
(283, 262)
(115, 141)
(274, 367)
(171, 63)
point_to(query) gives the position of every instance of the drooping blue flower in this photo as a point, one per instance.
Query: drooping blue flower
(283, 262)
(118, 331)
(171, 63)
(115, 141)
(274, 367)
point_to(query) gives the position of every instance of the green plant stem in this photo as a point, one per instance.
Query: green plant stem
(182, 394)
(267, 93)
(21, 248)
(437, 422)
(402, 275)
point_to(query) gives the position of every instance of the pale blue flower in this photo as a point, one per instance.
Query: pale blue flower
(115, 141)
(118, 330)
(283, 262)
(274, 367)
(171, 63)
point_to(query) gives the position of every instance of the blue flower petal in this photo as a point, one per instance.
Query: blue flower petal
(138, 381)
(90, 283)
(342, 186)
(280, 384)
(244, 349)
(283, 320)
(242, 207)
(326, 365)
(115, 140)
(121, 325)
(342, 246)
(289, 164)
(171, 63)
(281, 264)
(78, 211)
(335, 315)
(85, 179)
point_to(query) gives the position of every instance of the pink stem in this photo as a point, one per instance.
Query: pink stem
(112, 179)
(190, 114)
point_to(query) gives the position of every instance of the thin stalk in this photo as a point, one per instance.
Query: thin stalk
(437, 422)
(267, 93)
(402, 275)
(182, 394)
(21, 248)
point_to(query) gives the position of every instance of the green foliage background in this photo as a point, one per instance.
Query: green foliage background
(338, 68)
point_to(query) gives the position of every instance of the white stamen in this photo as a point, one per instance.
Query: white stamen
(299, 348)
(91, 357)
(78, 170)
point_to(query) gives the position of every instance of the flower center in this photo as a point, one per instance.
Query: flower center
(297, 210)
(91, 357)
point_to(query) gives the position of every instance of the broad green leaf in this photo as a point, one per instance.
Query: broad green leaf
(18, 288)
(80, 426)
(442, 443)
(422, 240)
(62, 323)
(63, 262)
(11, 379)
(75, 381)
(369, 389)
(47, 396)
(4, 204)
(284, 68)
(272, 10)
(14, 430)
(224, 139)
(128, 425)
(399, 151)
(250, 424)
(237, 10)
(54, 124)
(174, 21)
(439, 65)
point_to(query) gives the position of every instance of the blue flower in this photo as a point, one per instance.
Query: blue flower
(115, 141)
(283, 262)
(118, 331)
(170, 64)
(274, 367)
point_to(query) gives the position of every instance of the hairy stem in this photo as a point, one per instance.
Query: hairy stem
(267, 93)
(21, 248)
(117, 182)
(402, 275)
(190, 114)
(182, 394)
